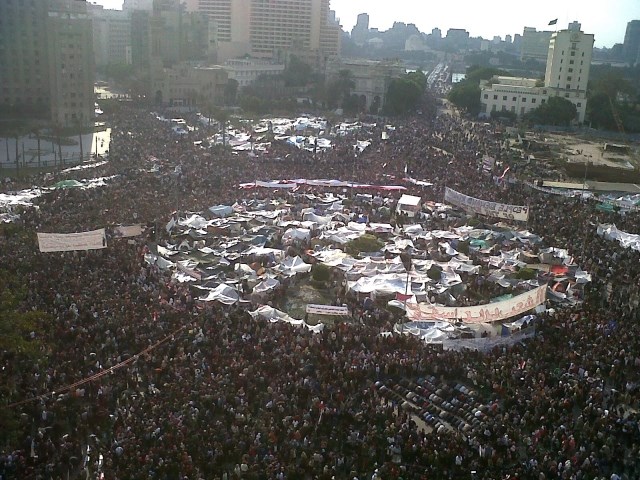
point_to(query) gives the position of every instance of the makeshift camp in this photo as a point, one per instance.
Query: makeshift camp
(409, 204)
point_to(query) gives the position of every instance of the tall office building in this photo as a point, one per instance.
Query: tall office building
(360, 30)
(111, 36)
(631, 46)
(534, 44)
(272, 28)
(47, 63)
(569, 62)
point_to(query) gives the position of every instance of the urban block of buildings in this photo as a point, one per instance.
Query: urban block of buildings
(46, 60)
(567, 75)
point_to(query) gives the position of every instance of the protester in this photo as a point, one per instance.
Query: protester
(228, 397)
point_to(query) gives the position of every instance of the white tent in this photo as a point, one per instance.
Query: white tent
(409, 204)
(221, 210)
(223, 293)
(266, 285)
(273, 315)
(293, 265)
(296, 234)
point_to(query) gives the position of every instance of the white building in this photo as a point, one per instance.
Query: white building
(567, 75)
(111, 36)
(247, 70)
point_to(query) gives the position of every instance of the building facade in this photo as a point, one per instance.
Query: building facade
(567, 75)
(271, 29)
(46, 58)
(371, 78)
(534, 44)
(247, 70)
(111, 36)
(188, 85)
(631, 45)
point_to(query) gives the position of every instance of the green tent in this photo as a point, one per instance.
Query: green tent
(68, 184)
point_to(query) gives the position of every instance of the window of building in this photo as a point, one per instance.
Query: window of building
(486, 96)
(544, 92)
(495, 97)
(573, 54)
(543, 100)
(533, 100)
(569, 78)
(560, 69)
(504, 98)
(568, 86)
(579, 104)
(524, 99)
(570, 62)
(515, 98)
(571, 70)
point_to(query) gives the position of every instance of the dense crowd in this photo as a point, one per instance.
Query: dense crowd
(208, 392)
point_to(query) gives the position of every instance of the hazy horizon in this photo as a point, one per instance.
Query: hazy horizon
(480, 20)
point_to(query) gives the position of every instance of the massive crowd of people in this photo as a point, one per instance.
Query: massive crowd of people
(207, 392)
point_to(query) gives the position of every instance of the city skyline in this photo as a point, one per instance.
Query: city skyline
(481, 20)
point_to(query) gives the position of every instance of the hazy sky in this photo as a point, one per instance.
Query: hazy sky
(607, 20)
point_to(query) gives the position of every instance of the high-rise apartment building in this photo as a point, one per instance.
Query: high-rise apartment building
(631, 46)
(272, 28)
(46, 60)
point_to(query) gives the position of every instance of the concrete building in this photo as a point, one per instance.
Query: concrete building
(534, 44)
(46, 60)
(71, 63)
(360, 30)
(271, 29)
(567, 75)
(247, 70)
(131, 6)
(187, 85)
(457, 38)
(631, 46)
(371, 78)
(111, 36)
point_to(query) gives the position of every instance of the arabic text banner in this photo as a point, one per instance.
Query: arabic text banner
(483, 207)
(491, 312)
(66, 242)
(327, 310)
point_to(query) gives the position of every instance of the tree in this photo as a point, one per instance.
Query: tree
(340, 89)
(297, 73)
(556, 111)
(230, 91)
(466, 96)
(404, 94)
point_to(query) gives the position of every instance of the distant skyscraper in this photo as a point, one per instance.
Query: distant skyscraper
(631, 46)
(270, 29)
(437, 33)
(360, 31)
(534, 44)
(46, 59)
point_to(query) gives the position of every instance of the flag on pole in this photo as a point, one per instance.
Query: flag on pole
(505, 172)
(553, 22)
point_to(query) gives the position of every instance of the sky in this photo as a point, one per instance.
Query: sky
(607, 20)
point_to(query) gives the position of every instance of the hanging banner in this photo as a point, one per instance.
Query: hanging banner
(127, 231)
(67, 242)
(491, 312)
(483, 207)
(327, 310)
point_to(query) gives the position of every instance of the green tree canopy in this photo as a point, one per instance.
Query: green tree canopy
(556, 111)
(404, 93)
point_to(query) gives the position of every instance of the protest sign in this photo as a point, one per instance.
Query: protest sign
(483, 207)
(66, 242)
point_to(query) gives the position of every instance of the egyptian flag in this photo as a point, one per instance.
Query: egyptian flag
(401, 297)
(553, 22)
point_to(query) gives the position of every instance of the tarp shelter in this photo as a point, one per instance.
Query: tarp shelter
(68, 184)
(223, 293)
(296, 234)
(266, 286)
(409, 204)
(273, 316)
(221, 210)
(293, 265)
